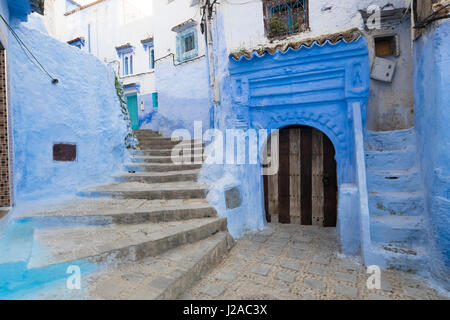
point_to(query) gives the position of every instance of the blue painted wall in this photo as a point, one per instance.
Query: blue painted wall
(146, 115)
(432, 116)
(19, 8)
(183, 94)
(82, 108)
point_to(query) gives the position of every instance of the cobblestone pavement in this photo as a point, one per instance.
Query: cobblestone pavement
(301, 262)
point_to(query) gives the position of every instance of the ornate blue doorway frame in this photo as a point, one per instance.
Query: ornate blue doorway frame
(316, 86)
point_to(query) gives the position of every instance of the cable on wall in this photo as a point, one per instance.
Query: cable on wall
(28, 52)
(431, 18)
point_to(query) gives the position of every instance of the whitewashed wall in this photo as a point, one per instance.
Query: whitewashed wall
(112, 23)
(168, 15)
(244, 21)
(183, 88)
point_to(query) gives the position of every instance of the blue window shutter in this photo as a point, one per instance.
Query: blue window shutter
(152, 58)
(126, 66)
(155, 100)
(131, 64)
(179, 49)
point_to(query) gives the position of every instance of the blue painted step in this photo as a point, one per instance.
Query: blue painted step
(404, 231)
(389, 140)
(393, 181)
(391, 160)
(399, 258)
(396, 203)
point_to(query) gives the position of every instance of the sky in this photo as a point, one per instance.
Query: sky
(141, 4)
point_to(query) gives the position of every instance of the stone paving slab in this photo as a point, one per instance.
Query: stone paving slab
(289, 277)
(158, 174)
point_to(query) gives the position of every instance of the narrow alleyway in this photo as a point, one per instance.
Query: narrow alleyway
(301, 262)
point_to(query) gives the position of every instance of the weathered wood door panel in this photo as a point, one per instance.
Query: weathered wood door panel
(306, 181)
(283, 179)
(294, 175)
(304, 191)
(329, 184)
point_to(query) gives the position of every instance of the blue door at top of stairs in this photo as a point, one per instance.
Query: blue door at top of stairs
(132, 105)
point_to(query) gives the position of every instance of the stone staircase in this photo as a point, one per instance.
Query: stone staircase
(151, 235)
(396, 201)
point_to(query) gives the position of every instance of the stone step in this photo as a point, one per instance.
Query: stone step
(147, 133)
(98, 213)
(137, 190)
(52, 251)
(160, 177)
(399, 258)
(160, 159)
(404, 231)
(396, 203)
(167, 151)
(166, 276)
(116, 244)
(169, 145)
(169, 139)
(390, 140)
(161, 167)
(391, 160)
(393, 181)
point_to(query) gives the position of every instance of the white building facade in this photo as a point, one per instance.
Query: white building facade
(181, 70)
(118, 33)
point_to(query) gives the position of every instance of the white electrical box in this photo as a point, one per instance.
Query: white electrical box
(383, 69)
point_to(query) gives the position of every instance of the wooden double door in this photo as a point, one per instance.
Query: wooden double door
(304, 190)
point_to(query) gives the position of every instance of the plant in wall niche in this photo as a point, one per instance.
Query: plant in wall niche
(276, 27)
(284, 18)
(130, 139)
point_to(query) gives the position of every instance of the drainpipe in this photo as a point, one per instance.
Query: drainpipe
(208, 12)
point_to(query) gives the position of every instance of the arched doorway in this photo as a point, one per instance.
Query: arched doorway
(304, 191)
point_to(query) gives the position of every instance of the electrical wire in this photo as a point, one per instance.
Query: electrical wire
(28, 52)
(432, 17)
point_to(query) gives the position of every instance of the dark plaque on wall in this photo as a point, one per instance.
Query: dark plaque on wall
(64, 152)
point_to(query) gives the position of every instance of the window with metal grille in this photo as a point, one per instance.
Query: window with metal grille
(283, 18)
(189, 43)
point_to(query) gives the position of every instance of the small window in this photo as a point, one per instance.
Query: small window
(127, 64)
(152, 58)
(131, 64)
(187, 44)
(64, 152)
(284, 18)
(386, 46)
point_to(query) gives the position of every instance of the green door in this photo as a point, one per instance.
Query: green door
(132, 105)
